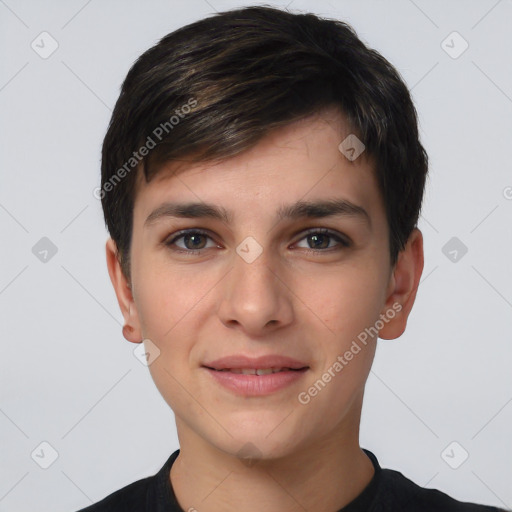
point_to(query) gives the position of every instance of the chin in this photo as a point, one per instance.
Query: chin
(259, 443)
(251, 451)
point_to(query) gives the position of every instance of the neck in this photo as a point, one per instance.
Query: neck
(323, 477)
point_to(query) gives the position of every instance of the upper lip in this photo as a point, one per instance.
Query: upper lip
(257, 363)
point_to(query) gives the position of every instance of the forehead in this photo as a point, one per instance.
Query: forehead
(299, 161)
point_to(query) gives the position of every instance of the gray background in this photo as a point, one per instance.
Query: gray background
(68, 377)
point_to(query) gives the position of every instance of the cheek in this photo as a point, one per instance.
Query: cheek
(173, 303)
(166, 305)
(343, 301)
(166, 296)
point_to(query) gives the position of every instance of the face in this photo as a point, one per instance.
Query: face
(296, 290)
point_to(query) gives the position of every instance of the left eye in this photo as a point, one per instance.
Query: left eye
(194, 240)
(319, 238)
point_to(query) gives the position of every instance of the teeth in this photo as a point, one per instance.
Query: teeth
(253, 371)
(265, 371)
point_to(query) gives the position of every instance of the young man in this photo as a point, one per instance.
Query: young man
(262, 179)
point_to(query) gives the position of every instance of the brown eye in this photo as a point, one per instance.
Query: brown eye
(320, 239)
(193, 241)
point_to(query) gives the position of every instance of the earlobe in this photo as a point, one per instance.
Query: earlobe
(131, 330)
(128, 332)
(403, 287)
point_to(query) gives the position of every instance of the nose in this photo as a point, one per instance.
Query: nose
(255, 297)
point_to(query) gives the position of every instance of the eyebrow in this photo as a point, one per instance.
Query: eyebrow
(301, 209)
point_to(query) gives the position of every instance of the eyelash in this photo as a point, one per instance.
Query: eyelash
(191, 252)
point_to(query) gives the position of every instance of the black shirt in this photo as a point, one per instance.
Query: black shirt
(388, 491)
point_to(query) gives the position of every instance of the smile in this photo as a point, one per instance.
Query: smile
(256, 382)
(254, 371)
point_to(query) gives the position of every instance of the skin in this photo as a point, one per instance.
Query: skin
(293, 300)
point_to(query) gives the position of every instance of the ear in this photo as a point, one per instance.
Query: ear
(122, 287)
(403, 285)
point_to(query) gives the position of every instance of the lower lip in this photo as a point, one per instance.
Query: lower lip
(256, 385)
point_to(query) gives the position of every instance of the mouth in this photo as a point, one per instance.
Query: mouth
(261, 376)
(270, 363)
(258, 371)
(257, 382)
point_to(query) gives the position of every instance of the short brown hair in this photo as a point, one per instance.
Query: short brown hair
(216, 87)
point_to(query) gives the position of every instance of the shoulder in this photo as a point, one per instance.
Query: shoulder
(147, 494)
(130, 498)
(399, 491)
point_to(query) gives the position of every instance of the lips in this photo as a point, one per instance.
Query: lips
(263, 365)
(256, 377)
(256, 371)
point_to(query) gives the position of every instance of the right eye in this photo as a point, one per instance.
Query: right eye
(193, 241)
